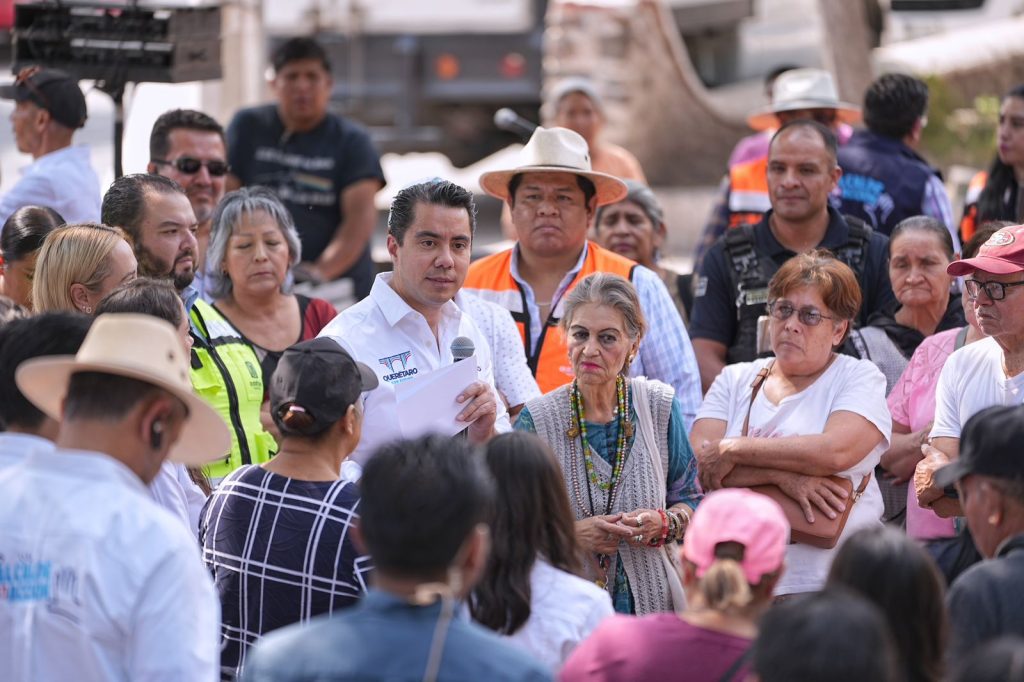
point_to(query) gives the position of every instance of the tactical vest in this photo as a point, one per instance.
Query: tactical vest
(226, 374)
(883, 180)
(491, 278)
(750, 272)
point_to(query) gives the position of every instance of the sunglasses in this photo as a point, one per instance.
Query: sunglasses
(190, 166)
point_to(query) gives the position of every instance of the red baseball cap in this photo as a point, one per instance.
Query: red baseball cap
(1002, 254)
(738, 515)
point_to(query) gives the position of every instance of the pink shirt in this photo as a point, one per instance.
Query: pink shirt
(912, 403)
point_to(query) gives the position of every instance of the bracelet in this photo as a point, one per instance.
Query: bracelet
(682, 522)
(660, 540)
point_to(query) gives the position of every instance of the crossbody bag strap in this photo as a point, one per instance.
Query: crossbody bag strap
(755, 386)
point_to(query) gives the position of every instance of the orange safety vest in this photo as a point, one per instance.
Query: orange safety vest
(748, 192)
(491, 278)
(969, 223)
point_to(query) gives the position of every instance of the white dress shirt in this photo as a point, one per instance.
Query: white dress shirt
(16, 447)
(62, 180)
(174, 490)
(395, 341)
(96, 581)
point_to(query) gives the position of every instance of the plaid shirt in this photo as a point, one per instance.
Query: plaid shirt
(280, 553)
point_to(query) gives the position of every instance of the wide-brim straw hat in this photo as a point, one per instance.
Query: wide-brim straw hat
(556, 150)
(139, 347)
(803, 89)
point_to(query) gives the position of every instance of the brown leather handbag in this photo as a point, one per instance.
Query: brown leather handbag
(824, 533)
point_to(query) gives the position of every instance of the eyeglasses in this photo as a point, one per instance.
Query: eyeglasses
(190, 166)
(808, 316)
(995, 290)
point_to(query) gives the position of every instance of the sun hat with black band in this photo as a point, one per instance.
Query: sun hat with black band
(140, 347)
(51, 89)
(989, 446)
(320, 379)
(555, 150)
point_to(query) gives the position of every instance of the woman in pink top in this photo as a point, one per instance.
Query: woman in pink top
(912, 405)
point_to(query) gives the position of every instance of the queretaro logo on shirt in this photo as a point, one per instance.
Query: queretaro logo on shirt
(398, 367)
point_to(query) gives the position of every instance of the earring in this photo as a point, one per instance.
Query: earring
(87, 310)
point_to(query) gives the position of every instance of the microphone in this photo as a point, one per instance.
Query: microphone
(462, 348)
(506, 119)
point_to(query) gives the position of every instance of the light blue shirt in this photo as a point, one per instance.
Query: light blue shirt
(63, 180)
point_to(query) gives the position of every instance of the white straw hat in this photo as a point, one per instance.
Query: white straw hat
(556, 150)
(803, 89)
(139, 347)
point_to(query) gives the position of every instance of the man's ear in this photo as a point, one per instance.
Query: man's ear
(393, 245)
(475, 551)
(151, 168)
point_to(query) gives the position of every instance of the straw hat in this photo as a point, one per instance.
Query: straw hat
(138, 347)
(803, 89)
(556, 150)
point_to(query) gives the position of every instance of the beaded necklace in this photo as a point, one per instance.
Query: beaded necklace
(578, 429)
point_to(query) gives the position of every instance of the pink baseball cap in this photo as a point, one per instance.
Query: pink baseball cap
(738, 515)
(1002, 254)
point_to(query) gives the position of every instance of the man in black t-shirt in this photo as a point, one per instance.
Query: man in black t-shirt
(323, 167)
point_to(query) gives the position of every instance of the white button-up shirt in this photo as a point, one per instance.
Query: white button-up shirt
(96, 581)
(62, 180)
(384, 332)
(16, 447)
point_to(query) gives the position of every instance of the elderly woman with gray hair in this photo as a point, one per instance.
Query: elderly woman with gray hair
(253, 248)
(622, 446)
(635, 228)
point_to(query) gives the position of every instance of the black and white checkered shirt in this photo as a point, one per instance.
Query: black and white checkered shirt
(280, 553)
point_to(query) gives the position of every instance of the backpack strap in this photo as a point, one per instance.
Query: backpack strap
(745, 270)
(855, 251)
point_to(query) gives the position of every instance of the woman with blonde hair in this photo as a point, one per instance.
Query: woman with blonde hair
(732, 558)
(80, 264)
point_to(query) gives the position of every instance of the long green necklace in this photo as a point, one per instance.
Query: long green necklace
(578, 428)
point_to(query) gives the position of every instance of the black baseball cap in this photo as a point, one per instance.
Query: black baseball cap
(990, 445)
(50, 89)
(321, 380)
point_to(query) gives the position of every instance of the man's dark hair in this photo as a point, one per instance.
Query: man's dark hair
(827, 136)
(831, 635)
(124, 204)
(100, 396)
(297, 49)
(24, 231)
(58, 333)
(434, 192)
(588, 188)
(894, 103)
(421, 498)
(145, 296)
(179, 119)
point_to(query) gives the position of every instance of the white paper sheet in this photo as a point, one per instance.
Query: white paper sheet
(427, 404)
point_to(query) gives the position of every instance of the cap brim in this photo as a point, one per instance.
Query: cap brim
(609, 188)
(951, 473)
(765, 118)
(367, 378)
(990, 264)
(204, 438)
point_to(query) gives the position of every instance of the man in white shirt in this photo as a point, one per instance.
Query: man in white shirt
(982, 374)
(25, 428)
(97, 582)
(49, 108)
(407, 324)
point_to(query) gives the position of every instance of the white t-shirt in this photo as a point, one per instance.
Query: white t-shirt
(850, 385)
(395, 341)
(564, 610)
(63, 180)
(971, 380)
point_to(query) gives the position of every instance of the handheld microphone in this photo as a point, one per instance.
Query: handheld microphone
(506, 119)
(462, 348)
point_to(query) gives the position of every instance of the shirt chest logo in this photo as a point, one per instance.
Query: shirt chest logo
(398, 366)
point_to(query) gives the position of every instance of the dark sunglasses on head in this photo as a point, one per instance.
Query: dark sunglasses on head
(190, 166)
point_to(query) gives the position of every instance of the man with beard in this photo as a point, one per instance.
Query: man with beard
(158, 219)
(188, 147)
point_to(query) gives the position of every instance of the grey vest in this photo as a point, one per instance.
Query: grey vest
(638, 489)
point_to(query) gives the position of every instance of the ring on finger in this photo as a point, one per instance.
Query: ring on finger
(638, 538)
(641, 519)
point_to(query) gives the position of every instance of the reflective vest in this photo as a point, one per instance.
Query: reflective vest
(748, 192)
(969, 223)
(226, 374)
(491, 278)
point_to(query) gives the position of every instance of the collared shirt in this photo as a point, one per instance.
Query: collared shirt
(386, 638)
(17, 447)
(665, 352)
(189, 295)
(394, 340)
(96, 581)
(174, 490)
(63, 180)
